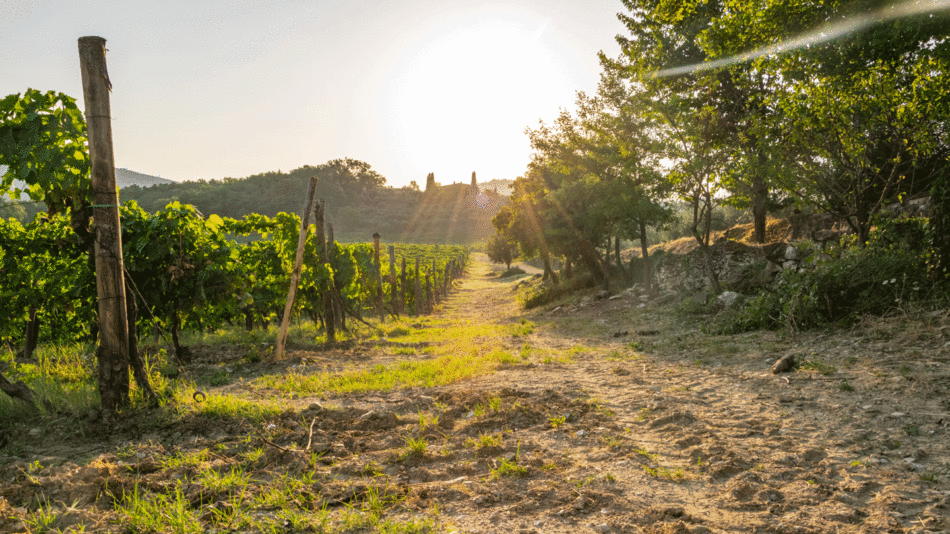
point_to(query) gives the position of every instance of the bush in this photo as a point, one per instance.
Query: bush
(869, 281)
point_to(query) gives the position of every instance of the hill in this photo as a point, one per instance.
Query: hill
(358, 203)
(123, 178)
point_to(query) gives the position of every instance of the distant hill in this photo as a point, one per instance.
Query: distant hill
(503, 187)
(123, 178)
(358, 203)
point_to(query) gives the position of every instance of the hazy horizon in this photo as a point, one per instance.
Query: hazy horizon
(215, 90)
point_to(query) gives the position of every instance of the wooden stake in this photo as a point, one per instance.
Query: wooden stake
(393, 285)
(295, 275)
(329, 320)
(113, 351)
(418, 290)
(377, 266)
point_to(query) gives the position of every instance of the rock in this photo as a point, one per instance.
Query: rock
(615, 297)
(602, 528)
(580, 433)
(727, 298)
(784, 365)
(791, 253)
(602, 294)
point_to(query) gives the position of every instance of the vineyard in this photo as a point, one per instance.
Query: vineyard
(186, 271)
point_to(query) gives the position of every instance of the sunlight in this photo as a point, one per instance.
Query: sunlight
(454, 91)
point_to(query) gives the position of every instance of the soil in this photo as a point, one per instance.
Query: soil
(635, 421)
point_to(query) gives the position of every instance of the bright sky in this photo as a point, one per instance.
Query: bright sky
(209, 89)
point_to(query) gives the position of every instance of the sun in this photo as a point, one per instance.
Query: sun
(463, 98)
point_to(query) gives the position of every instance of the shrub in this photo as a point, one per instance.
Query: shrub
(869, 281)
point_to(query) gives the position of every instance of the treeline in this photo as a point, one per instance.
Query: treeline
(358, 202)
(188, 271)
(690, 112)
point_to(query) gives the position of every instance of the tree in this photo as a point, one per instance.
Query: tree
(501, 250)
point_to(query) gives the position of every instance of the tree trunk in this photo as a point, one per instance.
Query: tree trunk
(32, 334)
(138, 366)
(18, 390)
(760, 197)
(180, 353)
(249, 318)
(617, 256)
(645, 255)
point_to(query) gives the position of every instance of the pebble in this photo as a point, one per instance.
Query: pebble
(35, 431)
(470, 414)
(602, 528)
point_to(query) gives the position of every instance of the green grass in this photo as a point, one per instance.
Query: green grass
(440, 371)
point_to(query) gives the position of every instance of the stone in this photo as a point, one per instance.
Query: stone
(791, 253)
(784, 365)
(727, 298)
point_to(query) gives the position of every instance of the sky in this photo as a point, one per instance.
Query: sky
(211, 89)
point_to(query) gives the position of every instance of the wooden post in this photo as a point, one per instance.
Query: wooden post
(329, 321)
(377, 266)
(393, 284)
(337, 303)
(113, 352)
(295, 275)
(430, 302)
(418, 290)
(446, 282)
(402, 286)
(435, 283)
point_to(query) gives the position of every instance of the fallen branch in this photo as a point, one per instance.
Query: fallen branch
(18, 390)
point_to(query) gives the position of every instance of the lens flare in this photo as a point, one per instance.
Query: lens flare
(821, 35)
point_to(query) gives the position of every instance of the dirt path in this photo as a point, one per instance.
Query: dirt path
(609, 415)
(690, 433)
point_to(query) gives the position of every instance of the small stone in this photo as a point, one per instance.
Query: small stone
(510, 457)
(602, 528)
(897, 414)
(35, 432)
(470, 414)
(580, 433)
(538, 523)
(785, 364)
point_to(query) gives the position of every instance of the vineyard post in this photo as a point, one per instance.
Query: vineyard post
(113, 352)
(328, 315)
(377, 266)
(402, 286)
(393, 286)
(430, 302)
(446, 284)
(337, 303)
(418, 289)
(295, 275)
(435, 283)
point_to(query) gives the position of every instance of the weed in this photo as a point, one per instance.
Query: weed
(524, 328)
(673, 475)
(912, 430)
(42, 519)
(556, 421)
(929, 477)
(844, 385)
(635, 345)
(817, 366)
(510, 468)
(484, 441)
(415, 447)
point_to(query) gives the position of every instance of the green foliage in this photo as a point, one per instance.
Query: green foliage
(861, 281)
(43, 141)
(501, 249)
(939, 229)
